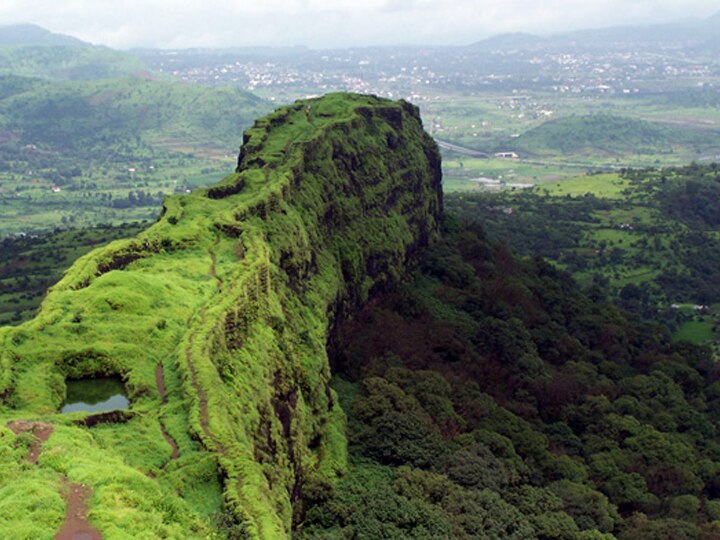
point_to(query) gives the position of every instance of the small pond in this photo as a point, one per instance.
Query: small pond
(95, 395)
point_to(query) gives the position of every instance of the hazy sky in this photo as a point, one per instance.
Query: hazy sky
(331, 23)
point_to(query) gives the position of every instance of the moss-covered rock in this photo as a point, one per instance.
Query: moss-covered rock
(235, 291)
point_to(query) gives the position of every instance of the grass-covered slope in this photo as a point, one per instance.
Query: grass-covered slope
(29, 265)
(228, 299)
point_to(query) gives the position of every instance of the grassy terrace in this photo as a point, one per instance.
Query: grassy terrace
(227, 303)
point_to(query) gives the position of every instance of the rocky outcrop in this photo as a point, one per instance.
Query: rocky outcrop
(236, 289)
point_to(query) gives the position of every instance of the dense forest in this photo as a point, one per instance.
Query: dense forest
(489, 397)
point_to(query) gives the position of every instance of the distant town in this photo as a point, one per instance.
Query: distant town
(627, 68)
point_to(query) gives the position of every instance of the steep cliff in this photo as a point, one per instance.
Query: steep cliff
(217, 320)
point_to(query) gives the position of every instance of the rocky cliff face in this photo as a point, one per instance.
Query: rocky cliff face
(217, 319)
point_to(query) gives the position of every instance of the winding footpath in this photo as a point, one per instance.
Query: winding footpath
(76, 525)
(213, 262)
(41, 432)
(160, 382)
(202, 396)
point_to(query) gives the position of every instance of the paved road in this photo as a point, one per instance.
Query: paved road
(461, 149)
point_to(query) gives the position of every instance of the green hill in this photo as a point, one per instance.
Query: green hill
(602, 135)
(33, 35)
(113, 147)
(28, 50)
(216, 319)
(88, 117)
(311, 351)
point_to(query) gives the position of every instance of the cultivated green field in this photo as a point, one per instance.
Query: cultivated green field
(605, 186)
(696, 332)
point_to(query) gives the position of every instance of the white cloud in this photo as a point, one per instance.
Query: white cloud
(325, 23)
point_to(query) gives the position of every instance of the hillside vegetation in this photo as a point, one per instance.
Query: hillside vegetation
(307, 355)
(28, 50)
(68, 62)
(216, 318)
(489, 397)
(87, 117)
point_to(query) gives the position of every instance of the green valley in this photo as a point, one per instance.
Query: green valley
(92, 152)
(647, 237)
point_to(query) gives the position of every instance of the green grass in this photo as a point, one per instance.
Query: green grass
(30, 265)
(607, 186)
(695, 332)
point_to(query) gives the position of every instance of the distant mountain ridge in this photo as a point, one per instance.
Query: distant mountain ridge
(695, 31)
(698, 33)
(34, 35)
(514, 40)
(28, 50)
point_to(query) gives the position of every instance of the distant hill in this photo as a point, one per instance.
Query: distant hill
(511, 41)
(31, 51)
(68, 62)
(33, 35)
(699, 34)
(86, 115)
(90, 137)
(601, 133)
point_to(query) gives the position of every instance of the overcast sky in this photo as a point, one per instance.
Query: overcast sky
(331, 23)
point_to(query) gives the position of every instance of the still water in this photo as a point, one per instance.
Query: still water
(95, 395)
